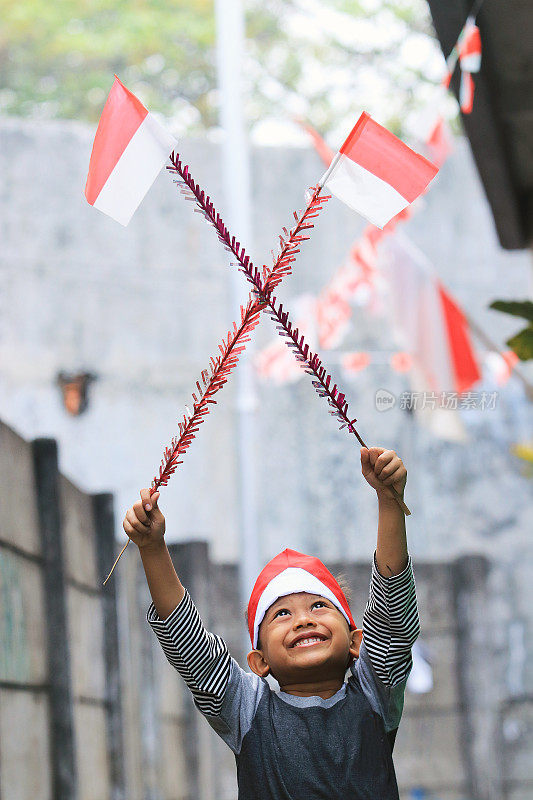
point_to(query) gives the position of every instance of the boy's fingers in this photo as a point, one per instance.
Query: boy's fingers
(390, 477)
(366, 466)
(386, 462)
(146, 499)
(374, 453)
(140, 512)
(135, 523)
(129, 529)
(388, 469)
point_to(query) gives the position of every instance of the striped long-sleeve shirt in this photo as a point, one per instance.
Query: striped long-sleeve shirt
(390, 628)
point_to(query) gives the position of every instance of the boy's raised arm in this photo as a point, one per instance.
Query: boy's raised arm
(201, 657)
(383, 468)
(165, 587)
(145, 525)
(390, 621)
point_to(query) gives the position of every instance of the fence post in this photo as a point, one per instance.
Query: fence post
(193, 566)
(469, 575)
(64, 777)
(104, 526)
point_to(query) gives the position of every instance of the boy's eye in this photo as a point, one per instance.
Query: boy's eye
(284, 610)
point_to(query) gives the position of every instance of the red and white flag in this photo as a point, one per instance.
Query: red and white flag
(430, 323)
(501, 365)
(469, 46)
(376, 174)
(129, 149)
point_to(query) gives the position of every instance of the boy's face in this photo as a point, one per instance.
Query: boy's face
(304, 636)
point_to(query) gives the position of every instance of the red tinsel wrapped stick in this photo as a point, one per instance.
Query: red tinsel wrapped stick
(220, 368)
(263, 286)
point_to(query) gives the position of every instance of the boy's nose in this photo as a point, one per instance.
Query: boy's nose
(303, 622)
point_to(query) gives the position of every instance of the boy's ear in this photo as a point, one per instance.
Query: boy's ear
(356, 638)
(257, 663)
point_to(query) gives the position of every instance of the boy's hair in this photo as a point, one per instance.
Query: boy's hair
(341, 579)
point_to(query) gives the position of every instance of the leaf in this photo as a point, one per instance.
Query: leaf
(522, 343)
(518, 308)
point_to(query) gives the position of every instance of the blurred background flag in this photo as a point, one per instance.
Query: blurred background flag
(129, 149)
(432, 326)
(376, 174)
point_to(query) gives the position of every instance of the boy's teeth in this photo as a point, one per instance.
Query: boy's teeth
(307, 641)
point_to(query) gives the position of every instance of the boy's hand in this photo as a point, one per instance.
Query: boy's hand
(144, 523)
(382, 468)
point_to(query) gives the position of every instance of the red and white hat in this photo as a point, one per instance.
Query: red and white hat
(291, 572)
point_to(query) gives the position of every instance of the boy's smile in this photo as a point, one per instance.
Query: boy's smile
(306, 643)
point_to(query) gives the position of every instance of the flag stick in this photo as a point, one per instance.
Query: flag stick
(329, 170)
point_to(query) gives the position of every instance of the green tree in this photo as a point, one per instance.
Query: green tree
(321, 60)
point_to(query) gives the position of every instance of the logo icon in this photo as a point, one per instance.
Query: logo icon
(384, 400)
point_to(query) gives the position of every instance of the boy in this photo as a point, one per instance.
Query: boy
(319, 736)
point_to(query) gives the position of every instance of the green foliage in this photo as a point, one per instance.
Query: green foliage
(58, 59)
(518, 308)
(319, 60)
(522, 342)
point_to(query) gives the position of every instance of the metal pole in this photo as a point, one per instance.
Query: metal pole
(236, 175)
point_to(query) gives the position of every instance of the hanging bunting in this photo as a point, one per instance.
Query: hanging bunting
(402, 361)
(467, 51)
(355, 362)
(501, 365)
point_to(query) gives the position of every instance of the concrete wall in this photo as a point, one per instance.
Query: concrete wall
(449, 746)
(60, 720)
(91, 712)
(25, 709)
(144, 307)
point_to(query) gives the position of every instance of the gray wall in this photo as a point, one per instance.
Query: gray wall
(60, 719)
(89, 711)
(144, 308)
(455, 742)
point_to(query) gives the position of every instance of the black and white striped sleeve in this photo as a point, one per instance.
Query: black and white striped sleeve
(390, 623)
(201, 658)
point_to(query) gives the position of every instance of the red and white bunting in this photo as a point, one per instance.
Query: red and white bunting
(470, 46)
(332, 313)
(355, 362)
(501, 365)
(276, 362)
(402, 361)
(468, 52)
(439, 142)
(428, 320)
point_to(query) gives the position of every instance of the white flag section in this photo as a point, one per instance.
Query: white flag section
(129, 149)
(432, 328)
(376, 174)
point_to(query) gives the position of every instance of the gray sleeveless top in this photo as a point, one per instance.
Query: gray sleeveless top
(308, 748)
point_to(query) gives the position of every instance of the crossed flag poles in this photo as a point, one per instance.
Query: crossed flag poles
(374, 173)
